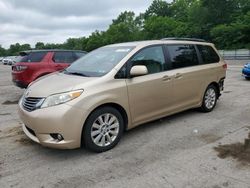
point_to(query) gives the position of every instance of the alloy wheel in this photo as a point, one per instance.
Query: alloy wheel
(210, 98)
(105, 129)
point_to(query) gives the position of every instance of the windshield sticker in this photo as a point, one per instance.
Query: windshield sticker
(122, 50)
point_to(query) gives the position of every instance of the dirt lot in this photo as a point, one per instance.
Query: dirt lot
(190, 149)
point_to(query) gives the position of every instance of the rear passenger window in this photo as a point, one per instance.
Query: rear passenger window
(33, 57)
(152, 58)
(63, 57)
(182, 56)
(208, 54)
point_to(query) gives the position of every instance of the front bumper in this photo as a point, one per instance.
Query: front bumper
(63, 119)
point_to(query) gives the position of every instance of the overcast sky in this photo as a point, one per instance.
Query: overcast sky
(53, 21)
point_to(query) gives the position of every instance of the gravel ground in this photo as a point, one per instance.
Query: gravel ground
(190, 149)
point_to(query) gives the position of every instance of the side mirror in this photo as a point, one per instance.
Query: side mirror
(138, 70)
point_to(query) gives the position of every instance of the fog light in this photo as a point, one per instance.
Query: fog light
(57, 136)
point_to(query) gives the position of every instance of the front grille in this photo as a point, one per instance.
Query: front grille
(31, 131)
(31, 103)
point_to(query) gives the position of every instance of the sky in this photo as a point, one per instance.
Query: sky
(54, 21)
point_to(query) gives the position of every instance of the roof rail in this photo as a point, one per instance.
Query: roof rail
(187, 39)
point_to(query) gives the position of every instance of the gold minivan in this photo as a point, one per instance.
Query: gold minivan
(119, 86)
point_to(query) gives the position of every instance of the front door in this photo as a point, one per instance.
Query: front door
(149, 95)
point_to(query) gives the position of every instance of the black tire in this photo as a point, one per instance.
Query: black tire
(247, 78)
(205, 107)
(87, 139)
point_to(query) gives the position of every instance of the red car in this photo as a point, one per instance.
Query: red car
(37, 63)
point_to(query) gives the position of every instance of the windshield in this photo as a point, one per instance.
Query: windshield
(98, 62)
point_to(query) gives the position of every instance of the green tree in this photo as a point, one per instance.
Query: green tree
(14, 49)
(235, 35)
(243, 6)
(53, 46)
(125, 17)
(40, 45)
(71, 43)
(94, 41)
(25, 47)
(180, 9)
(158, 27)
(219, 12)
(158, 8)
(225, 22)
(125, 28)
(3, 52)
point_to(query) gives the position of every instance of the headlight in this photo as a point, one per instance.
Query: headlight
(61, 98)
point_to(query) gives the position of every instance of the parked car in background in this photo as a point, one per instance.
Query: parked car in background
(16, 59)
(1, 60)
(246, 71)
(5, 60)
(36, 63)
(9, 60)
(13, 60)
(118, 87)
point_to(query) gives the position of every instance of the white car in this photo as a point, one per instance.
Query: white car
(10, 60)
(5, 61)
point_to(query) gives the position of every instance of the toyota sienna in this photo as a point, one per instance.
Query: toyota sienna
(120, 86)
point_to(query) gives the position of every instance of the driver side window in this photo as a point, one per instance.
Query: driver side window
(152, 58)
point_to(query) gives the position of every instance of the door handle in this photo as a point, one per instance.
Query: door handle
(166, 78)
(178, 75)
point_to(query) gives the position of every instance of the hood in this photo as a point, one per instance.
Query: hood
(56, 83)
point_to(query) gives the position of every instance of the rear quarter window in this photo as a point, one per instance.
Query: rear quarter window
(208, 54)
(33, 57)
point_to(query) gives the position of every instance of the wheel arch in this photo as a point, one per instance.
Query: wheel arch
(217, 86)
(113, 105)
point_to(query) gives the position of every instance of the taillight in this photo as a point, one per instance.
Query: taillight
(19, 67)
(224, 66)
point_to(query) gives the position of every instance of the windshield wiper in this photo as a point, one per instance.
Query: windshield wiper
(75, 73)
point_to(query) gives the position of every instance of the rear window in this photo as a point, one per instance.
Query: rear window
(64, 57)
(208, 54)
(33, 57)
(182, 55)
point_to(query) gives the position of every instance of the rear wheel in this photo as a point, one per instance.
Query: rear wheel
(247, 78)
(103, 129)
(209, 99)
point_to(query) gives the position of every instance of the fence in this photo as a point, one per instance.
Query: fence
(235, 54)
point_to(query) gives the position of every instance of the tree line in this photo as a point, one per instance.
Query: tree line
(223, 22)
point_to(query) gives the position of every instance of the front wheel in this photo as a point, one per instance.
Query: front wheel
(209, 99)
(103, 129)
